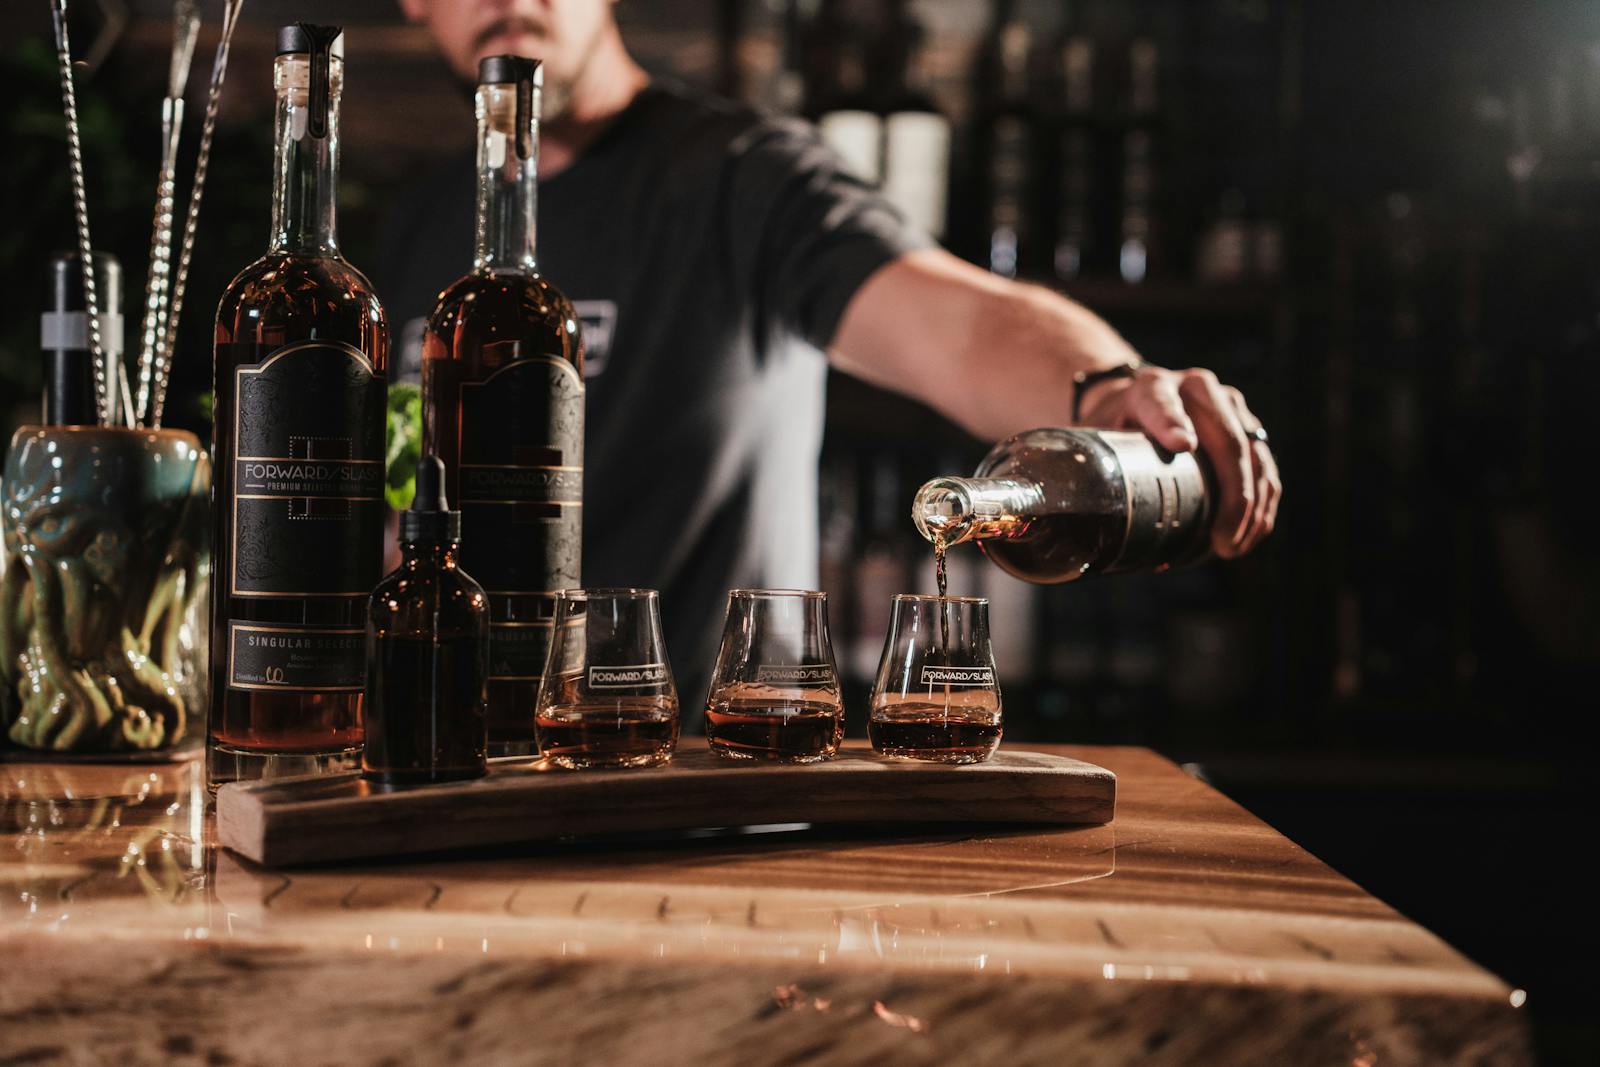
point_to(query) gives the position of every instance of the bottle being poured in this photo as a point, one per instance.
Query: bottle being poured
(1051, 506)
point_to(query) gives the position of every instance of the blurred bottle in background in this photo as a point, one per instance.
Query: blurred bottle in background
(1223, 253)
(882, 568)
(1013, 624)
(1008, 142)
(840, 499)
(1076, 157)
(838, 97)
(916, 134)
(1137, 214)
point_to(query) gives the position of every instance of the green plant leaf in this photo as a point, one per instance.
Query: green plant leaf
(404, 444)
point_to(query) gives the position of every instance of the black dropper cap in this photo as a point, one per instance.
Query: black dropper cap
(429, 520)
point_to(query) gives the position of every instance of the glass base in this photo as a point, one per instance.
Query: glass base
(935, 738)
(579, 762)
(763, 755)
(937, 755)
(227, 764)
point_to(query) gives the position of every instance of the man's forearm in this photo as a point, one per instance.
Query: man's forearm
(995, 356)
(999, 358)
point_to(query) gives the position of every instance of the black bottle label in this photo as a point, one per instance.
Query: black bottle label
(308, 473)
(517, 650)
(520, 492)
(296, 658)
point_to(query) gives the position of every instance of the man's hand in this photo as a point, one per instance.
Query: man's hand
(999, 358)
(1189, 409)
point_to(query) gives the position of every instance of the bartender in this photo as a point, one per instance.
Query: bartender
(719, 259)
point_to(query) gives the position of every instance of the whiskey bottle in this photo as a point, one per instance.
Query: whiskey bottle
(298, 439)
(502, 385)
(1057, 505)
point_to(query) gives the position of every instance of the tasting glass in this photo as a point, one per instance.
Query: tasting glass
(607, 699)
(775, 689)
(937, 697)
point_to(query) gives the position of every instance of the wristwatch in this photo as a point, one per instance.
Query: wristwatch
(1084, 379)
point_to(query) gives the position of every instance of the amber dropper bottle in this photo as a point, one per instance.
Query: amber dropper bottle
(427, 652)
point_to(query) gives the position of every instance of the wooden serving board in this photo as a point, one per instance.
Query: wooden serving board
(311, 820)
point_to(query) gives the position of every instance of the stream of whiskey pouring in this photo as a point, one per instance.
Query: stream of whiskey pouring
(943, 580)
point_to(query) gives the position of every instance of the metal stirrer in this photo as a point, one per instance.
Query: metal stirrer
(219, 70)
(80, 206)
(185, 30)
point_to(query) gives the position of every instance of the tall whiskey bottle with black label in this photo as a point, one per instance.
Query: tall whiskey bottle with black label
(502, 388)
(298, 434)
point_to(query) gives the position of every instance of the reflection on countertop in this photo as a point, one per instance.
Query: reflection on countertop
(1185, 891)
(78, 837)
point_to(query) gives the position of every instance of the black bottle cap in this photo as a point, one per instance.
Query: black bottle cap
(429, 519)
(321, 43)
(505, 69)
(300, 38)
(528, 75)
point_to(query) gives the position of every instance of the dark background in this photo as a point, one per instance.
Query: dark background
(1403, 679)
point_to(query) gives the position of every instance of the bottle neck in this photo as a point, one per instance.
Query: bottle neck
(508, 179)
(305, 167)
(975, 509)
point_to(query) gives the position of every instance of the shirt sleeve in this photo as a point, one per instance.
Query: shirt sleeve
(805, 232)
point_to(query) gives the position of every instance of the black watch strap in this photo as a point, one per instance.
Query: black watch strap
(1085, 379)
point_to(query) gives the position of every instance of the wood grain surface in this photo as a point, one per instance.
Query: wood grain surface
(317, 820)
(1185, 932)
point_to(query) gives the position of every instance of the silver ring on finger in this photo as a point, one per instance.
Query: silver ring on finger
(1259, 434)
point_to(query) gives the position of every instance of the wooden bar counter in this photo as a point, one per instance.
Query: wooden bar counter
(1185, 932)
